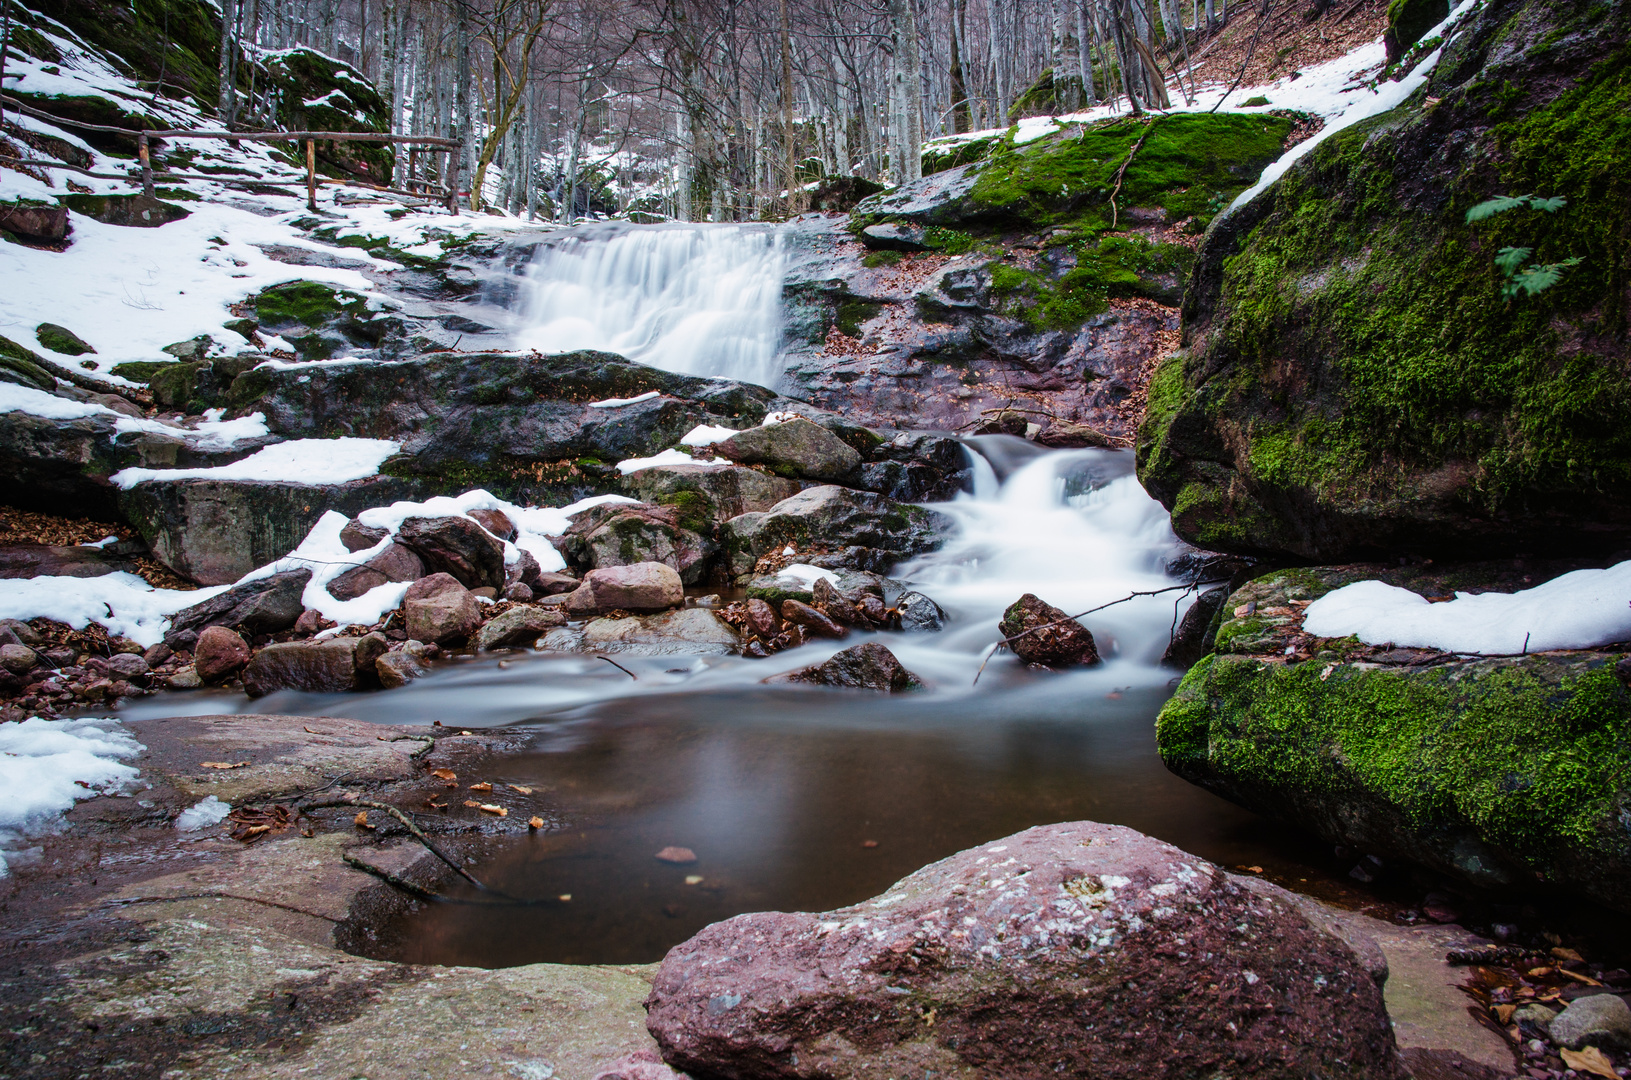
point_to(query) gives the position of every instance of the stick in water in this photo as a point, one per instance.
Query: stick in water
(619, 667)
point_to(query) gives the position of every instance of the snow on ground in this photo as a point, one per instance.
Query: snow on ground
(122, 602)
(46, 765)
(211, 433)
(667, 457)
(299, 461)
(619, 402)
(706, 435)
(208, 811)
(1579, 610)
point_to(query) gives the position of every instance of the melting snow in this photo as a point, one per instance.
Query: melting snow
(46, 765)
(302, 461)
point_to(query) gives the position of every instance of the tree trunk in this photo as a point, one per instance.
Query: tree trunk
(789, 134)
(908, 80)
(227, 103)
(962, 119)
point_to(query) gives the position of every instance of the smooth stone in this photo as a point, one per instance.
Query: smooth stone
(218, 653)
(1599, 1020)
(1057, 640)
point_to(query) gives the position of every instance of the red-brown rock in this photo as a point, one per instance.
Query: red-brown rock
(219, 653)
(1079, 950)
(496, 522)
(397, 562)
(646, 586)
(803, 614)
(457, 546)
(445, 612)
(1040, 633)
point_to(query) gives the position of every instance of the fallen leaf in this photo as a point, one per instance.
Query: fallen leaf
(1503, 1013)
(1255, 869)
(535, 823)
(222, 764)
(250, 823)
(1590, 1059)
(518, 789)
(361, 820)
(471, 802)
(693, 879)
(444, 774)
(869, 843)
(489, 808)
(481, 787)
(314, 731)
(1326, 673)
(434, 805)
(564, 897)
(464, 733)
(1569, 955)
(1539, 972)
(1245, 609)
(1588, 980)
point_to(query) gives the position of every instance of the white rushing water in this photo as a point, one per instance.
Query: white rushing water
(692, 299)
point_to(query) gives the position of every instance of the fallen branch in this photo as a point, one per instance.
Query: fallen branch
(1009, 641)
(619, 667)
(413, 829)
(1122, 172)
(393, 879)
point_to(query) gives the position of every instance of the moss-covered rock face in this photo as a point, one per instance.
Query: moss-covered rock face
(1408, 20)
(181, 37)
(319, 93)
(1354, 380)
(1510, 772)
(321, 321)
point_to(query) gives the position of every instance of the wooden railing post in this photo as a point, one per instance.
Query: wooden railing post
(413, 167)
(453, 182)
(147, 165)
(311, 175)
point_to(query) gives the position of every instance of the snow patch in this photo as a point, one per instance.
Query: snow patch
(706, 435)
(667, 457)
(302, 461)
(202, 814)
(619, 402)
(124, 603)
(46, 765)
(1579, 610)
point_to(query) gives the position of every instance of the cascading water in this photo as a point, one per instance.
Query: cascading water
(692, 299)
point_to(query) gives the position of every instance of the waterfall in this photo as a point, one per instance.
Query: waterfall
(693, 299)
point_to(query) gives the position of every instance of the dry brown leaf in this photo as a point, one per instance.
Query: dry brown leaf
(222, 764)
(535, 823)
(1568, 954)
(489, 808)
(519, 789)
(1587, 979)
(1503, 1013)
(1590, 1059)
(483, 786)
(444, 774)
(314, 731)
(361, 820)
(472, 803)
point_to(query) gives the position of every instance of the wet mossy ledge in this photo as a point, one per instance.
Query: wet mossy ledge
(1511, 773)
(1354, 382)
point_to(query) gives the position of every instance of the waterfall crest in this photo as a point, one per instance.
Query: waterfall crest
(692, 299)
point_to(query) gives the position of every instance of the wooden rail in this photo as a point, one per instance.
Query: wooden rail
(310, 138)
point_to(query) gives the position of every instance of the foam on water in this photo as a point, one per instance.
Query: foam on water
(693, 299)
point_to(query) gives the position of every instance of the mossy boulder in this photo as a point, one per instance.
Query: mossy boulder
(180, 38)
(322, 321)
(132, 211)
(1354, 380)
(60, 339)
(319, 93)
(195, 386)
(1408, 21)
(22, 366)
(1506, 772)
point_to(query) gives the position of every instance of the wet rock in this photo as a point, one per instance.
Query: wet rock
(1040, 633)
(440, 611)
(456, 546)
(917, 612)
(397, 562)
(36, 560)
(496, 522)
(400, 667)
(761, 618)
(704, 494)
(868, 666)
(216, 531)
(1067, 436)
(646, 586)
(797, 447)
(1193, 639)
(219, 652)
(331, 666)
(18, 632)
(795, 611)
(131, 667)
(942, 198)
(359, 537)
(518, 626)
(859, 530)
(685, 632)
(893, 237)
(518, 592)
(186, 678)
(620, 534)
(1602, 1020)
(554, 584)
(264, 606)
(311, 622)
(18, 659)
(1075, 950)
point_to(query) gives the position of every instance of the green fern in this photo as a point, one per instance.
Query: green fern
(1523, 280)
(1502, 203)
(1536, 279)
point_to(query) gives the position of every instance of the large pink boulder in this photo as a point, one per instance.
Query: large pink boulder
(646, 586)
(1079, 949)
(219, 653)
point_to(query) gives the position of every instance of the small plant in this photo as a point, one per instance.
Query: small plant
(1520, 279)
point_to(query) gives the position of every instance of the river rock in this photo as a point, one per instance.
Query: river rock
(687, 631)
(860, 530)
(216, 531)
(81, 561)
(440, 611)
(263, 606)
(520, 625)
(639, 587)
(331, 666)
(397, 562)
(1078, 949)
(400, 667)
(621, 534)
(1413, 754)
(919, 613)
(549, 584)
(796, 611)
(1193, 639)
(1601, 1020)
(704, 494)
(893, 236)
(868, 666)
(219, 653)
(456, 546)
(496, 522)
(17, 632)
(359, 537)
(797, 447)
(1050, 636)
(18, 659)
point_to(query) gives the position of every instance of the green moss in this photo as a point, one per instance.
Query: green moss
(23, 366)
(141, 370)
(318, 93)
(308, 303)
(852, 312)
(774, 597)
(948, 241)
(1110, 267)
(875, 259)
(60, 339)
(696, 509)
(1254, 102)
(1529, 754)
(940, 157)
